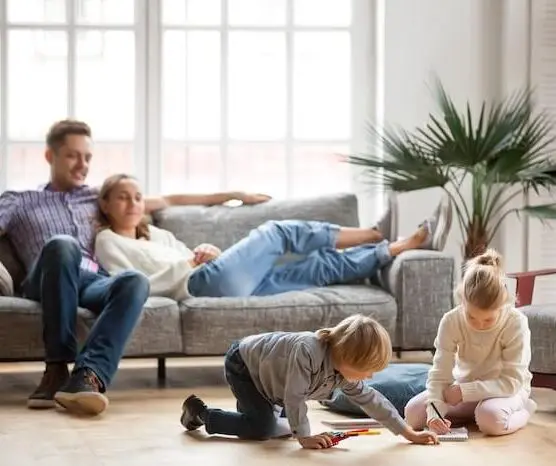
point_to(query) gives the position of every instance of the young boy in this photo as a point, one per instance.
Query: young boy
(287, 369)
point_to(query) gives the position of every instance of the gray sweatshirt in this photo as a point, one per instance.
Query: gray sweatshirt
(291, 368)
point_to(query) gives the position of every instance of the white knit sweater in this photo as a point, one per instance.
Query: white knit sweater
(163, 259)
(492, 363)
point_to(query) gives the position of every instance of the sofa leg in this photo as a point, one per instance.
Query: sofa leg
(161, 370)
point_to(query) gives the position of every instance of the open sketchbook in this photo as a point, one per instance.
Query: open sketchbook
(458, 434)
(346, 424)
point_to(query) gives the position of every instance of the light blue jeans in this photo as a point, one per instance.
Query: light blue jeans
(250, 268)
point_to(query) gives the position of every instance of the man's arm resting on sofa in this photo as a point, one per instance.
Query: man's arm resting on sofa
(161, 202)
(422, 282)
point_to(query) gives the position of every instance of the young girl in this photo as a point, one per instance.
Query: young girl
(287, 369)
(481, 365)
(248, 267)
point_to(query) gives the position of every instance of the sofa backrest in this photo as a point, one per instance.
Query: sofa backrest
(224, 226)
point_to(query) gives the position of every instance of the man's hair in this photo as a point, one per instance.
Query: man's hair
(56, 136)
(359, 342)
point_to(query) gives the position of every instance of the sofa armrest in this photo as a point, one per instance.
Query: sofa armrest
(423, 284)
(526, 284)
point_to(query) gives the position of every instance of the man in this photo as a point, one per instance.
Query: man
(52, 230)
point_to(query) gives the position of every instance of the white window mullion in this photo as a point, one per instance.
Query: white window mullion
(140, 142)
(72, 56)
(289, 96)
(4, 96)
(224, 136)
(153, 71)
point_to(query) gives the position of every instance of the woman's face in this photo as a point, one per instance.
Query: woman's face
(125, 205)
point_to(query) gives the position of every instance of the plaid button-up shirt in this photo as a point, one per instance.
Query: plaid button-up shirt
(30, 218)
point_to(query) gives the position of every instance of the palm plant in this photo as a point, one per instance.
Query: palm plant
(505, 153)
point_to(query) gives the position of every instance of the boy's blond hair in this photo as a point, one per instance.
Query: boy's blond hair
(483, 284)
(359, 342)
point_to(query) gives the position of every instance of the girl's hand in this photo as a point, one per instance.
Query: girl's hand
(424, 437)
(205, 253)
(453, 395)
(316, 442)
(439, 426)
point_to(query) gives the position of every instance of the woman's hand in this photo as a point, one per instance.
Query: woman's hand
(424, 437)
(205, 253)
(316, 442)
(453, 395)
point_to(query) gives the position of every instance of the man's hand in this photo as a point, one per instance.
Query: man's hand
(205, 253)
(316, 442)
(424, 437)
(250, 199)
(452, 395)
(439, 426)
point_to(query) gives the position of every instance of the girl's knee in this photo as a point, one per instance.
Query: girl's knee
(491, 419)
(415, 412)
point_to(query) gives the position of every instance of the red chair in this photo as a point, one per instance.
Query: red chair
(525, 285)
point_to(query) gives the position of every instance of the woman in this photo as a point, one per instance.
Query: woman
(334, 254)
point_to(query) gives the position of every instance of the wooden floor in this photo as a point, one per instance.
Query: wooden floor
(142, 427)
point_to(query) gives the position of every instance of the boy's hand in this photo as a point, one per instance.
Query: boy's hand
(439, 426)
(316, 441)
(453, 395)
(423, 438)
(205, 253)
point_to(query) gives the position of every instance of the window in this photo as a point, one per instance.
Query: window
(189, 95)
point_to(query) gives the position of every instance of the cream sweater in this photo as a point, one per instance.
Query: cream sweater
(492, 363)
(163, 259)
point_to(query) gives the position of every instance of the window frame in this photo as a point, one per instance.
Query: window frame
(148, 28)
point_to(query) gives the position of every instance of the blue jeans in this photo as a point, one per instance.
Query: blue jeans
(255, 418)
(249, 267)
(60, 285)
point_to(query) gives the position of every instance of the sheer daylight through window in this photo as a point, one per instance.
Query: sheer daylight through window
(196, 95)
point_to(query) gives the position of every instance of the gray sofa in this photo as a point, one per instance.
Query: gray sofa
(415, 291)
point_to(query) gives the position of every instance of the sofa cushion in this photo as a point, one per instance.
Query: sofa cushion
(6, 282)
(542, 323)
(158, 332)
(398, 383)
(224, 226)
(210, 325)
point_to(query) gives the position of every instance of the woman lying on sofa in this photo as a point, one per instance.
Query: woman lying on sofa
(332, 254)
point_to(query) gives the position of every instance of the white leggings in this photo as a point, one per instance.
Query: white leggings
(495, 416)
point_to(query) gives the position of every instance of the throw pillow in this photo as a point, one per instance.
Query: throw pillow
(398, 383)
(6, 282)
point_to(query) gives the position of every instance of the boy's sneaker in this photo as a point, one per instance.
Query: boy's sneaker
(54, 377)
(388, 223)
(438, 226)
(82, 394)
(193, 413)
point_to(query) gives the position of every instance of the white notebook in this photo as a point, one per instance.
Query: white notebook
(346, 424)
(459, 434)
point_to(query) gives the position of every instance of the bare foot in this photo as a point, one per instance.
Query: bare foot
(415, 241)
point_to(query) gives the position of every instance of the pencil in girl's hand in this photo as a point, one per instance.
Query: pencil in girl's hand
(437, 412)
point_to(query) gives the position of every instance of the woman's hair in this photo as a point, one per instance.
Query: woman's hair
(108, 186)
(360, 342)
(483, 284)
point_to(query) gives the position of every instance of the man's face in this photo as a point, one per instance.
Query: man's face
(69, 164)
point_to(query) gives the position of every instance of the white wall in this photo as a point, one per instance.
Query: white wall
(477, 48)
